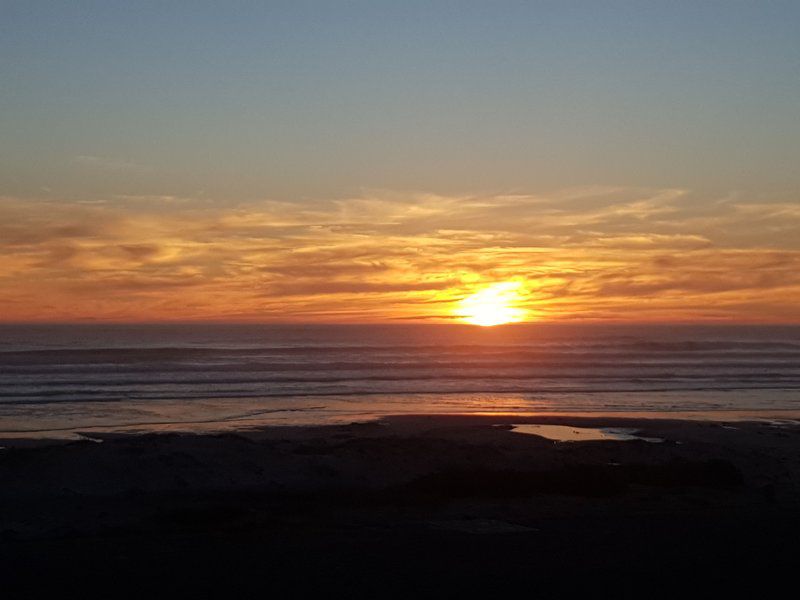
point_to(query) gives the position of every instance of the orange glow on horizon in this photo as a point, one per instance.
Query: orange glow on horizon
(594, 255)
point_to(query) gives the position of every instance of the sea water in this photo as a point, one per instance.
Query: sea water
(67, 378)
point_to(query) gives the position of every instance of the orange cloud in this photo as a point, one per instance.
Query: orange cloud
(591, 253)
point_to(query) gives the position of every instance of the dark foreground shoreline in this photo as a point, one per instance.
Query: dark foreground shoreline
(425, 505)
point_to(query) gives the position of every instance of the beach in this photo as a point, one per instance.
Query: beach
(410, 503)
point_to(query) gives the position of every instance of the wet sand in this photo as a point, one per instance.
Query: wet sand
(407, 504)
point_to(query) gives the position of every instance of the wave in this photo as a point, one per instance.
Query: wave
(356, 394)
(358, 373)
(184, 352)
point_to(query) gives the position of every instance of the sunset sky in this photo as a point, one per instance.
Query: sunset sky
(381, 161)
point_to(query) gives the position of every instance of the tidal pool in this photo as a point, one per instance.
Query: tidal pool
(567, 433)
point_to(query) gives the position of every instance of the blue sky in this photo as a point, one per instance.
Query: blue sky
(291, 100)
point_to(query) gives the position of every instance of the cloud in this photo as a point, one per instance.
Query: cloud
(590, 253)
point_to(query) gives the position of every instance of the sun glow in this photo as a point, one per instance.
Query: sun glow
(493, 305)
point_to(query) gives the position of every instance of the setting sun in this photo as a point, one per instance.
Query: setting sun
(493, 305)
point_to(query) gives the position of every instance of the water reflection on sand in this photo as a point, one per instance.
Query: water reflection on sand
(567, 433)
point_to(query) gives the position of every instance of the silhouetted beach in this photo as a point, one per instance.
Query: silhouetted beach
(422, 504)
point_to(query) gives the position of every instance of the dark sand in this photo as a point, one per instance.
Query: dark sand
(412, 505)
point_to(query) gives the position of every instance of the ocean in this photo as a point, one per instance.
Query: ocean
(58, 380)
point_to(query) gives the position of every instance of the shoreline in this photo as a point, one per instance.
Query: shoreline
(246, 425)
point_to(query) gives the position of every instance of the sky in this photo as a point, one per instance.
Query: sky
(380, 161)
